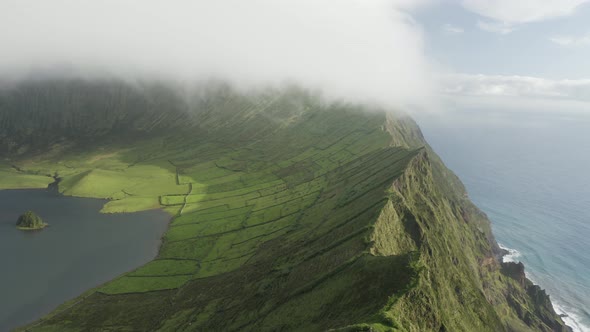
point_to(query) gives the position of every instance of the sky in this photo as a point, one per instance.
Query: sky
(527, 55)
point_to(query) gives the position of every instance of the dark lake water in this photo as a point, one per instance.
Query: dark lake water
(81, 248)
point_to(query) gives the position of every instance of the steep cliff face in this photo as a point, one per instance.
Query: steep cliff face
(290, 214)
(463, 285)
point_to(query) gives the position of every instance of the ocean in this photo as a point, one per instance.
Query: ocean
(530, 173)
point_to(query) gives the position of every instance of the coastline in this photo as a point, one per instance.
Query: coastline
(571, 320)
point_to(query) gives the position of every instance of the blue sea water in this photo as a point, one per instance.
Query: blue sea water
(530, 173)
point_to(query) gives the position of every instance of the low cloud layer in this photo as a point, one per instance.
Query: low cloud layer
(573, 41)
(517, 86)
(370, 50)
(516, 93)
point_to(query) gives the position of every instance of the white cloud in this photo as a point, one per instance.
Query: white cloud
(452, 29)
(522, 11)
(504, 15)
(350, 48)
(496, 26)
(516, 86)
(571, 40)
(503, 104)
(516, 94)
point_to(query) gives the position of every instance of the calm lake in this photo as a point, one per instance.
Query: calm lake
(81, 249)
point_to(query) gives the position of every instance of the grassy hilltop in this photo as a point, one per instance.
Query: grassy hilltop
(288, 212)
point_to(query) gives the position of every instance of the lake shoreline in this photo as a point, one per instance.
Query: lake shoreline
(122, 243)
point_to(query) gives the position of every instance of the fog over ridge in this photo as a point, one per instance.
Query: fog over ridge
(363, 50)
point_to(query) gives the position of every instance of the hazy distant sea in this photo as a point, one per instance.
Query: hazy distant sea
(530, 173)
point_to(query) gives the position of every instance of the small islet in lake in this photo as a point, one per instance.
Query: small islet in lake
(82, 248)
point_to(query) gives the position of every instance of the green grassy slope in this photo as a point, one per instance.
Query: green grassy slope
(289, 214)
(11, 178)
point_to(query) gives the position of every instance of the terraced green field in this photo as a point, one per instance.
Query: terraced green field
(287, 213)
(226, 205)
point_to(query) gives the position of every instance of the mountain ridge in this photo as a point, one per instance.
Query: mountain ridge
(290, 213)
